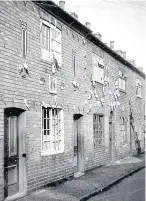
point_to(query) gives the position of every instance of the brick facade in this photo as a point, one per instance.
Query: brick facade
(41, 170)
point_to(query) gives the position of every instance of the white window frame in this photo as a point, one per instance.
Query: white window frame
(51, 151)
(138, 88)
(98, 68)
(98, 137)
(47, 54)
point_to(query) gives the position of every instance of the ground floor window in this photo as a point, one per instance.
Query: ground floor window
(123, 129)
(98, 134)
(52, 130)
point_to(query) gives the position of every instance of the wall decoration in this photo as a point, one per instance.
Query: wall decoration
(110, 93)
(26, 104)
(62, 86)
(74, 107)
(75, 84)
(52, 84)
(41, 80)
(23, 70)
(54, 65)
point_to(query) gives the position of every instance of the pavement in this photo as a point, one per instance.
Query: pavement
(94, 182)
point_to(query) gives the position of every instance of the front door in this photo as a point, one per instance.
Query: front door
(11, 159)
(13, 165)
(78, 143)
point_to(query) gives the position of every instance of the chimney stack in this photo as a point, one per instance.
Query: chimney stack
(98, 35)
(62, 4)
(73, 14)
(112, 45)
(88, 25)
(132, 61)
(119, 52)
(124, 54)
(141, 69)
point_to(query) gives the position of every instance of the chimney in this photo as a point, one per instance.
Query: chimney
(98, 35)
(73, 14)
(88, 25)
(132, 62)
(62, 4)
(124, 54)
(112, 45)
(119, 52)
(141, 69)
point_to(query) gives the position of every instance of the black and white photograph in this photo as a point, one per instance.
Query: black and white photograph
(72, 100)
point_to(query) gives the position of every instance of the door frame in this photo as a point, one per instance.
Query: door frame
(111, 136)
(21, 124)
(80, 144)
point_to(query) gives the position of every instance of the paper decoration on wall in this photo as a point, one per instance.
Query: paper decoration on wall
(52, 84)
(74, 107)
(84, 41)
(62, 86)
(23, 70)
(86, 102)
(115, 96)
(117, 93)
(67, 31)
(41, 80)
(54, 65)
(44, 104)
(75, 84)
(26, 68)
(93, 81)
(25, 102)
(101, 63)
(89, 97)
(102, 101)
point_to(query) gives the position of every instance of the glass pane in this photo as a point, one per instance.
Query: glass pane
(12, 175)
(13, 135)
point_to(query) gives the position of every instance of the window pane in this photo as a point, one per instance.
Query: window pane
(13, 135)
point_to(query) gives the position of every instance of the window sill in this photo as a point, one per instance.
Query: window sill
(51, 153)
(99, 82)
(124, 143)
(122, 91)
(139, 97)
(46, 61)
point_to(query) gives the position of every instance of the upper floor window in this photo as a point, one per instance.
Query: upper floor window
(50, 42)
(98, 129)
(52, 131)
(98, 69)
(122, 81)
(138, 88)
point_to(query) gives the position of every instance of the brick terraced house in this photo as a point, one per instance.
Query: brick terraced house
(68, 102)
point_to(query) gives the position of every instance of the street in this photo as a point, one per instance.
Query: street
(130, 189)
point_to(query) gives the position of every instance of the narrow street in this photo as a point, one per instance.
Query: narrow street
(130, 189)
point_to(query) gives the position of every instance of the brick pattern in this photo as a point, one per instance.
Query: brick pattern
(45, 169)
